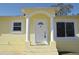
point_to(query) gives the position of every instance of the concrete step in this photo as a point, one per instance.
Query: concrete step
(42, 49)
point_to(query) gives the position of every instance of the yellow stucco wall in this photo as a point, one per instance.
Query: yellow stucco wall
(68, 44)
(11, 42)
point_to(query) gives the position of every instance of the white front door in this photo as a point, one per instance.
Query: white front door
(41, 32)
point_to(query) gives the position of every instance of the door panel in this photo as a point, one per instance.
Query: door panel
(41, 32)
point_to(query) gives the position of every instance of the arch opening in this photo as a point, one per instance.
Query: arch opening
(39, 34)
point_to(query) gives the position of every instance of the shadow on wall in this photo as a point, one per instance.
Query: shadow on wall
(68, 45)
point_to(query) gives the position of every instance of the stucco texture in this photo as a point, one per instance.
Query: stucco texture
(11, 43)
(68, 43)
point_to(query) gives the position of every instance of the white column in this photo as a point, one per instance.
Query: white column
(27, 29)
(52, 27)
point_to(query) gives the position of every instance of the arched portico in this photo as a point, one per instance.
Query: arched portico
(40, 31)
(32, 31)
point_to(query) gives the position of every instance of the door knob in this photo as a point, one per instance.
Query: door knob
(44, 35)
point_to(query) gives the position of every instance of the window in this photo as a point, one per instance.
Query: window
(65, 29)
(40, 23)
(17, 26)
(60, 29)
(70, 29)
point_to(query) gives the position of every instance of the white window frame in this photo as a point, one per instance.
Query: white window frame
(66, 29)
(75, 30)
(12, 25)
